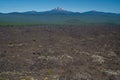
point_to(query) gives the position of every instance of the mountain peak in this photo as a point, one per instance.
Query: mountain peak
(94, 11)
(58, 9)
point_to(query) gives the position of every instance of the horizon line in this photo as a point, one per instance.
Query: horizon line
(61, 8)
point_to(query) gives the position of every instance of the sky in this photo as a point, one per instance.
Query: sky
(7, 6)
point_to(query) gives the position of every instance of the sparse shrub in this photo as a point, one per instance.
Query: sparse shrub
(10, 44)
(34, 40)
(46, 78)
(2, 55)
(99, 59)
(49, 72)
(4, 79)
(27, 78)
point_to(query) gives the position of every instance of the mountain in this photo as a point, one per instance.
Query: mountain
(30, 12)
(27, 12)
(57, 10)
(14, 13)
(93, 12)
(59, 16)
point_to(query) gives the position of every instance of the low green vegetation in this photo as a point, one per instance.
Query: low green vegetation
(56, 19)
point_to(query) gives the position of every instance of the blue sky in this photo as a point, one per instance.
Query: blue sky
(72, 5)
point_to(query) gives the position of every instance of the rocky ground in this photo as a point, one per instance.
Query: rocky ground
(60, 53)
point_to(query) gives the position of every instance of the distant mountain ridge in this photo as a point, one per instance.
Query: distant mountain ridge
(56, 10)
(59, 10)
(59, 16)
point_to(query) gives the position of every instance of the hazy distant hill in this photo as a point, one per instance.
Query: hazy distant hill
(58, 16)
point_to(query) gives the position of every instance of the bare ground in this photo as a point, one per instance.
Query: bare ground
(60, 53)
